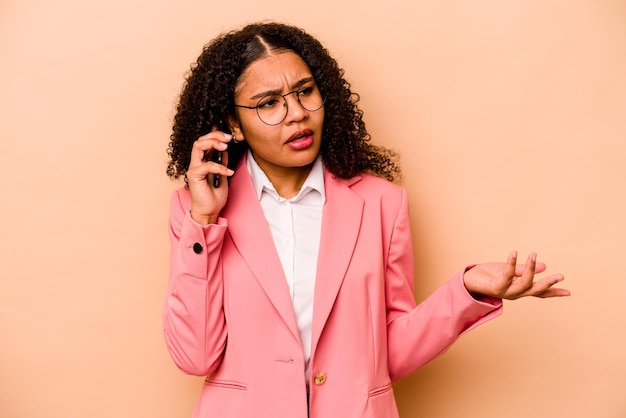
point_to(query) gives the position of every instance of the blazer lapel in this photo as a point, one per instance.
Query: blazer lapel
(250, 233)
(341, 222)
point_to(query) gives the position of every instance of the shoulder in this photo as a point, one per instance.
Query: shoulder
(371, 186)
(374, 190)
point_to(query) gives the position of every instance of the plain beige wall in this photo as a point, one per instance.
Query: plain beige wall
(510, 116)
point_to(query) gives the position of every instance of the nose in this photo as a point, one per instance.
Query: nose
(295, 111)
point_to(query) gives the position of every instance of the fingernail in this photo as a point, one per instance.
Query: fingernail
(227, 136)
(230, 172)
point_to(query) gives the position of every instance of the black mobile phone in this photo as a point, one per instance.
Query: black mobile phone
(217, 158)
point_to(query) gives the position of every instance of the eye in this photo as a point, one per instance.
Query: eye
(305, 91)
(269, 102)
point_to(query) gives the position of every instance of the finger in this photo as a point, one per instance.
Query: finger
(539, 268)
(528, 275)
(522, 285)
(554, 292)
(222, 169)
(508, 274)
(216, 137)
(219, 170)
(511, 263)
(201, 145)
(213, 140)
(544, 287)
(199, 150)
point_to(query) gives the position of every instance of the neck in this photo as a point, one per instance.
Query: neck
(288, 185)
(286, 180)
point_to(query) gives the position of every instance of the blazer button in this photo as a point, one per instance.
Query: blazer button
(320, 378)
(197, 248)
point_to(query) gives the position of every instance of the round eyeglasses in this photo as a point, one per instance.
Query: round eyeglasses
(272, 109)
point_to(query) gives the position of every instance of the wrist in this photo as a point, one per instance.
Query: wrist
(203, 219)
(467, 283)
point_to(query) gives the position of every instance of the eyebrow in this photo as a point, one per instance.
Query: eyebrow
(276, 92)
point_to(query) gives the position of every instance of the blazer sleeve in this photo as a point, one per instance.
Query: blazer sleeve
(416, 334)
(193, 315)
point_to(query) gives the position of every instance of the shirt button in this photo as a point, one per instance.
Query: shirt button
(320, 378)
(197, 248)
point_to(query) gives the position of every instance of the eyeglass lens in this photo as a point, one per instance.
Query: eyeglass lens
(272, 110)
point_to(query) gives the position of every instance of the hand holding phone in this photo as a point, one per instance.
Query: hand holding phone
(206, 169)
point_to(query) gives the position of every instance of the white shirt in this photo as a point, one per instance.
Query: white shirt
(295, 225)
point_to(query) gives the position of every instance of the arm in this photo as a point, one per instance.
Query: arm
(418, 334)
(193, 316)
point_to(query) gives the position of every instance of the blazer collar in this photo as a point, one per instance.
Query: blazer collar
(341, 222)
(251, 236)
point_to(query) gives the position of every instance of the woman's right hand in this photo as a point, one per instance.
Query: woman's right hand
(206, 200)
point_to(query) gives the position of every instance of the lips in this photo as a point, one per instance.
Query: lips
(300, 140)
(300, 134)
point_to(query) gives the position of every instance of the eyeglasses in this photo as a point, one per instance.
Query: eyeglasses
(273, 109)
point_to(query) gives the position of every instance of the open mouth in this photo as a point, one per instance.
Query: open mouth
(300, 135)
(301, 140)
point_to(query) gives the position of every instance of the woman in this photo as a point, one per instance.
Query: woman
(291, 282)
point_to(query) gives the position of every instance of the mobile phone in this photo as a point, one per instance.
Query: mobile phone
(217, 158)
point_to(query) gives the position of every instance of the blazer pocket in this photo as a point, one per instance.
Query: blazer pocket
(380, 390)
(226, 384)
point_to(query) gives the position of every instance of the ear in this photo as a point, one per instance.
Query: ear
(235, 127)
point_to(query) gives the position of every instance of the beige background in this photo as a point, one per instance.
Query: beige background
(510, 116)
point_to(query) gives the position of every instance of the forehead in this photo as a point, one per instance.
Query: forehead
(273, 72)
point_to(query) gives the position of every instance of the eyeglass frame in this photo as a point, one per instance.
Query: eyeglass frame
(286, 105)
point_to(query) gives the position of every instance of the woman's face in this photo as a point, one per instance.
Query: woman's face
(292, 145)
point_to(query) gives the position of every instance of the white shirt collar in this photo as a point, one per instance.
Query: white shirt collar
(315, 180)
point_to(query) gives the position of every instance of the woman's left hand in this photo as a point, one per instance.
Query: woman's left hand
(512, 281)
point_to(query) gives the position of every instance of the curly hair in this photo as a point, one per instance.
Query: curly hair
(207, 99)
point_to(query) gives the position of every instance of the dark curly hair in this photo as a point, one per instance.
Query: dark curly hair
(207, 100)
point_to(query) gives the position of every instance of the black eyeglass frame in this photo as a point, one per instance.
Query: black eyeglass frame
(286, 105)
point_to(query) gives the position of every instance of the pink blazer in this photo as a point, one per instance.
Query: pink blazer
(228, 314)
